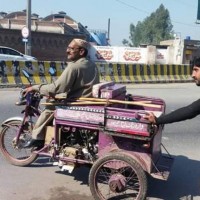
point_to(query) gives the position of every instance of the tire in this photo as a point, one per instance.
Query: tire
(117, 176)
(13, 153)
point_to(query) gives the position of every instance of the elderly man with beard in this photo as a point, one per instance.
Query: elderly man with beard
(187, 112)
(76, 81)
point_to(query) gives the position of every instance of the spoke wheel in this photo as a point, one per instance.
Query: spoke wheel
(117, 176)
(12, 151)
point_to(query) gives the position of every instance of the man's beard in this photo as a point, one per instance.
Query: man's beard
(197, 82)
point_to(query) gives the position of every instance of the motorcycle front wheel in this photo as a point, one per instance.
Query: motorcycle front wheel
(13, 152)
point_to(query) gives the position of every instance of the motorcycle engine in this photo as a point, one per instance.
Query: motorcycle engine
(78, 143)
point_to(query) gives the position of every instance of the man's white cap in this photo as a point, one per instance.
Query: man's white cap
(81, 43)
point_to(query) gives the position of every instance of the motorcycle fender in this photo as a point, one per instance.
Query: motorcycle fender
(11, 119)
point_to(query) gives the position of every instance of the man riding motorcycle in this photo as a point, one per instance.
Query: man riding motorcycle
(76, 80)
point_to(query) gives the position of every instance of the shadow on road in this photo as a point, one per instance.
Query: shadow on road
(184, 181)
(42, 161)
(80, 174)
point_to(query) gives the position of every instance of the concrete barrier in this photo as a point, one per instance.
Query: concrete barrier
(11, 74)
(141, 73)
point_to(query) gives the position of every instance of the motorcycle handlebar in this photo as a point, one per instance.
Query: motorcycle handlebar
(24, 99)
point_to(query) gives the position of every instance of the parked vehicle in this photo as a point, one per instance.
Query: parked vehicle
(7, 53)
(106, 133)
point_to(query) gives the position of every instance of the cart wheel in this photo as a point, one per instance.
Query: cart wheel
(117, 176)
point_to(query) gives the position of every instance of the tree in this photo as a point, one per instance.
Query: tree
(152, 30)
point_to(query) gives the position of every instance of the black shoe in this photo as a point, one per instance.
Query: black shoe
(34, 143)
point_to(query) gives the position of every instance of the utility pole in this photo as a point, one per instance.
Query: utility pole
(28, 25)
(108, 39)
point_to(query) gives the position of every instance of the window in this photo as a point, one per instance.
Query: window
(10, 52)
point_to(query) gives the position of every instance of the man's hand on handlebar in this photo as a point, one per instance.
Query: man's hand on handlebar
(27, 90)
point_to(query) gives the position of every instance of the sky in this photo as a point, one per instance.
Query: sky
(95, 14)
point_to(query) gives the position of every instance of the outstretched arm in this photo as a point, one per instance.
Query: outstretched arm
(61, 85)
(187, 112)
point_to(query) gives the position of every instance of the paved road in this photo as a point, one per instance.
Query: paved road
(42, 181)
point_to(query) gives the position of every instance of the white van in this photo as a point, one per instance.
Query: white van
(7, 53)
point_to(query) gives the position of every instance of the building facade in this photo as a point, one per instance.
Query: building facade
(49, 35)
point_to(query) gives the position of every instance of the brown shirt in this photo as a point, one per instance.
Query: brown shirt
(76, 80)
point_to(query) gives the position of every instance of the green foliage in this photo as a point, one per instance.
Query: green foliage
(152, 30)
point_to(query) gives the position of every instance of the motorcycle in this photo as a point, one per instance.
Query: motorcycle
(107, 133)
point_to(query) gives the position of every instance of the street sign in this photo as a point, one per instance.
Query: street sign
(25, 32)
